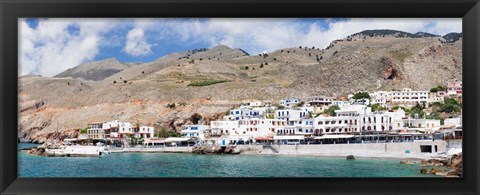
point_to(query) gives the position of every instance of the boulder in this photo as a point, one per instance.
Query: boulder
(350, 157)
(435, 171)
(456, 160)
(423, 171)
(407, 162)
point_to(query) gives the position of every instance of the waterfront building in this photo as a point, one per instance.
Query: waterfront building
(454, 88)
(289, 102)
(408, 97)
(145, 132)
(113, 128)
(95, 131)
(195, 131)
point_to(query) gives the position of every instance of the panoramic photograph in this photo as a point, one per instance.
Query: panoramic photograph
(240, 97)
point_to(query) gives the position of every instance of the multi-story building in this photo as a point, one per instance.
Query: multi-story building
(454, 88)
(436, 97)
(408, 97)
(95, 131)
(195, 130)
(379, 97)
(121, 130)
(243, 113)
(289, 102)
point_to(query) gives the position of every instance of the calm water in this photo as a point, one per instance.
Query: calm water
(189, 165)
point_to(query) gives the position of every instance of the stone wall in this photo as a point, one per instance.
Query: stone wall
(388, 150)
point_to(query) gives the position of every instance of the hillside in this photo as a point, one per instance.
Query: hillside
(96, 71)
(384, 61)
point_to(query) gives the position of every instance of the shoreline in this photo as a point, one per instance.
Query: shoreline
(413, 159)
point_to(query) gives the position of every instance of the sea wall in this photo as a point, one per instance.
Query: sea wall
(387, 150)
(156, 149)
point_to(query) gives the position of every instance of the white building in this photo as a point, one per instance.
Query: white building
(457, 122)
(379, 97)
(121, 130)
(145, 132)
(243, 113)
(289, 102)
(408, 97)
(290, 114)
(340, 103)
(195, 131)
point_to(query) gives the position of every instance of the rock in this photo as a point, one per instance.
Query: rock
(423, 171)
(456, 160)
(407, 162)
(435, 171)
(350, 157)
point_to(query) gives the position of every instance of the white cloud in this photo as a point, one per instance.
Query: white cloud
(257, 35)
(58, 44)
(136, 44)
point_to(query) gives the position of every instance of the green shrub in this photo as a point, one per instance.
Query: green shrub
(171, 106)
(206, 82)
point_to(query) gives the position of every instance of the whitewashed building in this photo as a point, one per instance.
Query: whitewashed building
(457, 122)
(408, 97)
(243, 113)
(379, 97)
(194, 131)
(289, 102)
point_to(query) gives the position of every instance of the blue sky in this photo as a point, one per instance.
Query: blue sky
(50, 46)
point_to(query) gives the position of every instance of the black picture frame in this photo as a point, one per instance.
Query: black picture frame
(11, 10)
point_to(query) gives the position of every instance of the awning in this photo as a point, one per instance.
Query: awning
(70, 139)
(287, 137)
(177, 139)
(153, 141)
(334, 136)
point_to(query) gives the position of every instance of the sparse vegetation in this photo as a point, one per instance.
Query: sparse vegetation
(246, 67)
(377, 107)
(84, 131)
(438, 88)
(171, 105)
(207, 82)
(331, 110)
(361, 95)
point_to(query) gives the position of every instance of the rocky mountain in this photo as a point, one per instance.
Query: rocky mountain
(452, 37)
(140, 93)
(96, 71)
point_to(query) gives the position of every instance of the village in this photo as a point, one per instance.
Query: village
(377, 117)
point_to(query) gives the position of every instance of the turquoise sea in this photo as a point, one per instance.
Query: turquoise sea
(190, 165)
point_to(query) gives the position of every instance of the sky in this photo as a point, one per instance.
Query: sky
(50, 46)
